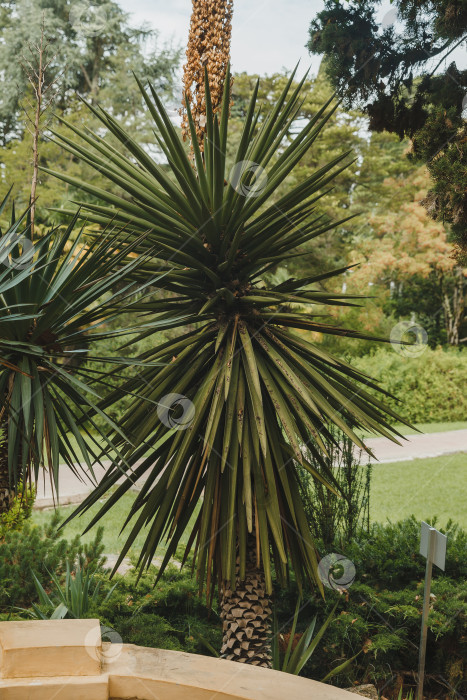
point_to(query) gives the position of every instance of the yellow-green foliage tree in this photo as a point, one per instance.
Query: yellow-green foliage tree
(407, 264)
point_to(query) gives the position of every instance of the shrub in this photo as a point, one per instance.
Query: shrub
(387, 556)
(331, 516)
(384, 626)
(170, 615)
(40, 549)
(19, 512)
(430, 387)
(379, 616)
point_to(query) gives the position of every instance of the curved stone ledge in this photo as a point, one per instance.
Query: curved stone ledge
(70, 662)
(158, 674)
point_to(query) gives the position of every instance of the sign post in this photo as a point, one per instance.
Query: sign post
(433, 547)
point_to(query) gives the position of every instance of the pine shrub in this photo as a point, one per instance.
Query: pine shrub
(40, 549)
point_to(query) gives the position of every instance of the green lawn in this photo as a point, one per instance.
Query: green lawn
(424, 487)
(433, 427)
(112, 522)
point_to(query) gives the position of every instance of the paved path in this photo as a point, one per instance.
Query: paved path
(73, 490)
(125, 565)
(418, 446)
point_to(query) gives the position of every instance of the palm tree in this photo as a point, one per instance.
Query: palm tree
(55, 300)
(242, 400)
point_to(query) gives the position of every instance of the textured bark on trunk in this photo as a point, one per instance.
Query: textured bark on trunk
(246, 615)
(454, 308)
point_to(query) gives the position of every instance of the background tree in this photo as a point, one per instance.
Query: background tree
(392, 71)
(404, 259)
(36, 65)
(343, 127)
(94, 55)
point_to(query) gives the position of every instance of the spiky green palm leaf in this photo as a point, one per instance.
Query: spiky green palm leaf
(263, 395)
(57, 294)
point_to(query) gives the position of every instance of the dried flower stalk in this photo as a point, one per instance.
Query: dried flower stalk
(208, 48)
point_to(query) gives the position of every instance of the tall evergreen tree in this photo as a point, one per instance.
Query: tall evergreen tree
(90, 56)
(398, 72)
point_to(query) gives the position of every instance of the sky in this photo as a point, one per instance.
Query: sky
(267, 35)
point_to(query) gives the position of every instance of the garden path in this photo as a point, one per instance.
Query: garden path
(74, 490)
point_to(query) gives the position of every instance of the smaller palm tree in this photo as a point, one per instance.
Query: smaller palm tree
(56, 297)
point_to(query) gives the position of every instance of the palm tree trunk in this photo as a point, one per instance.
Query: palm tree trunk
(246, 615)
(7, 494)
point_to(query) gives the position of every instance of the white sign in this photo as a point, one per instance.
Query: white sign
(438, 555)
(433, 547)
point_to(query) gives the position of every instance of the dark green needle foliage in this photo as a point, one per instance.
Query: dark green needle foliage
(402, 73)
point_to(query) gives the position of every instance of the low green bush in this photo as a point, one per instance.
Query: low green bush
(379, 616)
(430, 387)
(39, 549)
(383, 628)
(170, 615)
(20, 511)
(387, 555)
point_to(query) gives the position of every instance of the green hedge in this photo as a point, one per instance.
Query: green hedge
(431, 387)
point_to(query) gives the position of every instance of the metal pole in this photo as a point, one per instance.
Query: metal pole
(426, 609)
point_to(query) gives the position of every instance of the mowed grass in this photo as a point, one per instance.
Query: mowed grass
(432, 427)
(112, 523)
(424, 487)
